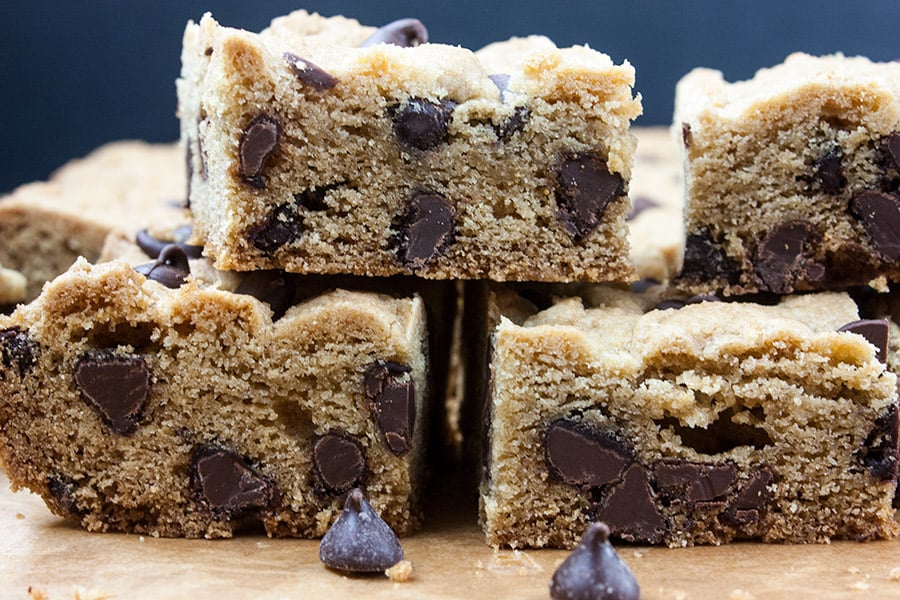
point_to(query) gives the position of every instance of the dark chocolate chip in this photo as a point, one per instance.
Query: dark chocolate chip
(581, 456)
(594, 571)
(879, 214)
(501, 80)
(875, 331)
(314, 199)
(851, 264)
(676, 303)
(309, 74)
(275, 288)
(62, 497)
(282, 226)
(692, 481)
(208, 51)
(392, 401)
(750, 503)
(514, 124)
(360, 541)
(339, 461)
(226, 483)
(406, 33)
(422, 124)
(644, 284)
(258, 142)
(639, 205)
(18, 350)
(892, 145)
(706, 260)
(630, 509)
(171, 268)
(686, 135)
(828, 171)
(152, 246)
(782, 259)
(584, 188)
(881, 450)
(427, 230)
(116, 386)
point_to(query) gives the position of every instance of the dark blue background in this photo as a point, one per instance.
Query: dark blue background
(74, 75)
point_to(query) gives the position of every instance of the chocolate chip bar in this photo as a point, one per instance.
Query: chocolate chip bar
(323, 146)
(793, 177)
(712, 422)
(141, 400)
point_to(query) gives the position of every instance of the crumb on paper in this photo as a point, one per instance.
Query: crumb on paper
(741, 595)
(512, 562)
(141, 539)
(854, 570)
(894, 574)
(37, 593)
(262, 545)
(81, 593)
(20, 516)
(674, 594)
(638, 554)
(401, 572)
(860, 586)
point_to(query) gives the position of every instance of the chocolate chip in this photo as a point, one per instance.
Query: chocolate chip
(687, 137)
(594, 570)
(782, 259)
(259, 141)
(851, 264)
(675, 303)
(422, 124)
(501, 80)
(171, 268)
(630, 509)
(309, 74)
(875, 331)
(226, 483)
(17, 350)
(62, 497)
(514, 124)
(406, 33)
(705, 260)
(360, 541)
(314, 199)
(881, 450)
(275, 288)
(639, 205)
(116, 386)
(189, 169)
(692, 481)
(584, 187)
(427, 230)
(750, 503)
(581, 456)
(339, 461)
(879, 214)
(644, 284)
(392, 401)
(892, 145)
(152, 246)
(828, 171)
(282, 226)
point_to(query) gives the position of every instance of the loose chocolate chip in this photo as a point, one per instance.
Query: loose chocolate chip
(392, 401)
(686, 135)
(594, 571)
(171, 268)
(828, 171)
(309, 74)
(514, 124)
(427, 230)
(693, 482)
(782, 261)
(275, 288)
(581, 456)
(639, 205)
(226, 483)
(18, 350)
(258, 142)
(881, 450)
(875, 331)
(402, 32)
(584, 188)
(282, 226)
(339, 461)
(630, 509)
(892, 145)
(152, 246)
(421, 123)
(62, 497)
(879, 214)
(706, 260)
(360, 541)
(750, 503)
(116, 386)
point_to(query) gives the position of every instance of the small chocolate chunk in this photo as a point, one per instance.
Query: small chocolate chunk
(17, 350)
(584, 188)
(62, 497)
(258, 142)
(405, 33)
(879, 214)
(875, 331)
(313, 199)
(152, 246)
(782, 261)
(275, 288)
(594, 571)
(693, 482)
(892, 145)
(226, 483)
(422, 124)
(749, 505)
(392, 401)
(630, 509)
(881, 450)
(828, 171)
(171, 268)
(282, 226)
(117, 386)
(360, 541)
(514, 124)
(686, 135)
(427, 230)
(339, 461)
(706, 260)
(309, 74)
(581, 456)
(676, 303)
(639, 205)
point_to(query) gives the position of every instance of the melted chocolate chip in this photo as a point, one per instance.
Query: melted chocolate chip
(881, 450)
(62, 497)
(875, 331)
(116, 386)
(422, 124)
(750, 503)
(360, 541)
(630, 509)
(851, 264)
(594, 570)
(406, 33)
(17, 350)
(275, 288)
(259, 141)
(639, 205)
(339, 460)
(583, 457)
(316, 78)
(427, 230)
(828, 171)
(706, 260)
(584, 188)
(226, 483)
(152, 246)
(693, 482)
(782, 260)
(171, 268)
(514, 124)
(879, 214)
(392, 402)
(283, 225)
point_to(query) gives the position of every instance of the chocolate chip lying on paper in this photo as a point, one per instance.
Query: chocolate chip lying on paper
(309, 74)
(875, 331)
(428, 228)
(782, 259)
(828, 171)
(693, 482)
(879, 214)
(881, 450)
(392, 401)
(283, 225)
(594, 571)
(360, 541)
(171, 268)
(116, 386)
(402, 32)
(339, 460)
(421, 123)
(750, 503)
(583, 457)
(152, 246)
(258, 142)
(274, 287)
(584, 188)
(225, 482)
(630, 509)
(17, 350)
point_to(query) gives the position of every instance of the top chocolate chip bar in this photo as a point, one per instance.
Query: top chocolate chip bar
(323, 146)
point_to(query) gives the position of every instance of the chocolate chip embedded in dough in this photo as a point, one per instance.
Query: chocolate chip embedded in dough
(705, 260)
(829, 173)
(17, 350)
(630, 509)
(879, 215)
(892, 145)
(639, 205)
(750, 503)
(692, 481)
(116, 386)
(339, 460)
(360, 541)
(583, 457)
(62, 497)
(427, 230)
(875, 331)
(584, 188)
(309, 74)
(282, 226)
(406, 33)
(258, 142)
(226, 483)
(152, 246)
(422, 124)
(171, 268)
(594, 570)
(676, 303)
(392, 401)
(514, 124)
(274, 287)
(782, 259)
(881, 450)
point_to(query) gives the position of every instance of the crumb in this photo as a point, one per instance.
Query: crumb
(141, 539)
(401, 572)
(894, 574)
(860, 586)
(740, 595)
(854, 570)
(513, 562)
(37, 593)
(638, 554)
(20, 516)
(262, 545)
(81, 593)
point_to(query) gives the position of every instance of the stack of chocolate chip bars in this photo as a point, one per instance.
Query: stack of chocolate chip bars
(295, 333)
